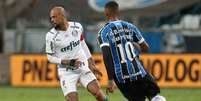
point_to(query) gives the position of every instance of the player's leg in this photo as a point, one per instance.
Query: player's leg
(152, 89)
(68, 81)
(89, 81)
(72, 96)
(94, 88)
(131, 90)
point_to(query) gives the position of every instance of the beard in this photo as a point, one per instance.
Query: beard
(56, 26)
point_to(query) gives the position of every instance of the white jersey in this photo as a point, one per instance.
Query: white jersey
(66, 44)
(69, 45)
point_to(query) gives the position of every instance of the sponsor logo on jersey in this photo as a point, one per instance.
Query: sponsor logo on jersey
(70, 46)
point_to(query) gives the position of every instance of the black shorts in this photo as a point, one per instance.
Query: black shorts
(140, 89)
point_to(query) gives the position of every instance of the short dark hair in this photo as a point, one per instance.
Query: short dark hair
(112, 6)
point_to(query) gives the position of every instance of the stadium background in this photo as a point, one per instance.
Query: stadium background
(171, 27)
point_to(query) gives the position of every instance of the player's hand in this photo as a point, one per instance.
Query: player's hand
(94, 69)
(75, 63)
(97, 73)
(110, 87)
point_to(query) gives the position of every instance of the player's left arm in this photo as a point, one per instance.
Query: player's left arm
(140, 43)
(94, 68)
(88, 55)
(142, 47)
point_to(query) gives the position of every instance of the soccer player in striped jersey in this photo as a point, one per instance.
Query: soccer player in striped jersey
(121, 43)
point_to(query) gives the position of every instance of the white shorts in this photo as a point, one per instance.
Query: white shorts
(70, 78)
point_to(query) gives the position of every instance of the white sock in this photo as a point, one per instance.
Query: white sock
(158, 98)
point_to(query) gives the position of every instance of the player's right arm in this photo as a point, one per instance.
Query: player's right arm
(107, 57)
(108, 60)
(51, 55)
(50, 49)
(56, 60)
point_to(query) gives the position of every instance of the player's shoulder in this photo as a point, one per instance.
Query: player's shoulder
(130, 24)
(117, 22)
(104, 27)
(51, 33)
(75, 25)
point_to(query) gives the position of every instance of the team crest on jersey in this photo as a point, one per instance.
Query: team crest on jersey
(75, 33)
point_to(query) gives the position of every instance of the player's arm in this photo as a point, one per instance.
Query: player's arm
(94, 68)
(142, 47)
(53, 59)
(75, 63)
(90, 60)
(50, 51)
(88, 55)
(56, 60)
(139, 41)
(107, 57)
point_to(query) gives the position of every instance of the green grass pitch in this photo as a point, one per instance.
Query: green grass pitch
(8, 93)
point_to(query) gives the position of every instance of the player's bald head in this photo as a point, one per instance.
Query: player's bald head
(58, 10)
(58, 16)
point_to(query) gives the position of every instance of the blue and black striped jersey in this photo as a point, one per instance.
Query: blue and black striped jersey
(120, 36)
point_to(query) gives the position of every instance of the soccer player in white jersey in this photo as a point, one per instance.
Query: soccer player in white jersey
(65, 46)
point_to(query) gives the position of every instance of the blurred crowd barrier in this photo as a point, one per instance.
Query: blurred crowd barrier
(4, 69)
(170, 70)
(33, 41)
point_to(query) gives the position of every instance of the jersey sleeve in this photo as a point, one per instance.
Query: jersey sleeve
(80, 31)
(81, 37)
(49, 44)
(137, 36)
(83, 43)
(86, 49)
(103, 38)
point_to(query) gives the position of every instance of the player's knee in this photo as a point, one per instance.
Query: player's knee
(72, 97)
(94, 89)
(99, 95)
(158, 98)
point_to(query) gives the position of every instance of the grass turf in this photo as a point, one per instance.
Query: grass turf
(8, 93)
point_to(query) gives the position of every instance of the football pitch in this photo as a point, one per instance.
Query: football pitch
(8, 93)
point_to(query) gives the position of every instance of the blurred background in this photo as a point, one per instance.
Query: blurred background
(171, 27)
